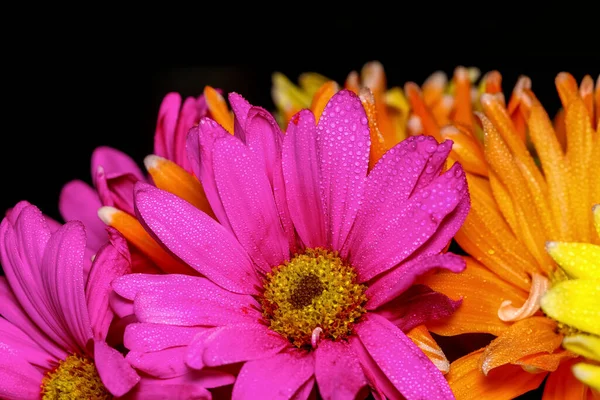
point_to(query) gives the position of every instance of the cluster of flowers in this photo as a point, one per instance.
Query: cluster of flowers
(425, 242)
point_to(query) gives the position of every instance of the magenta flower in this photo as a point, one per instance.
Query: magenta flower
(55, 323)
(309, 276)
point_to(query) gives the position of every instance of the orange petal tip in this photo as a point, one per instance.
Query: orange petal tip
(106, 214)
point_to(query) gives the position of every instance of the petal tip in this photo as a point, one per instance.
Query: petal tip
(106, 214)
(152, 161)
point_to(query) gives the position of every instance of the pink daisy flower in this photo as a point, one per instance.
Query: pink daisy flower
(54, 323)
(308, 278)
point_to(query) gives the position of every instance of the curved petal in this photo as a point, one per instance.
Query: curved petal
(393, 236)
(239, 342)
(111, 261)
(481, 292)
(402, 277)
(275, 377)
(147, 337)
(421, 337)
(114, 163)
(116, 191)
(177, 300)
(196, 238)
(526, 337)
(115, 372)
(395, 177)
(189, 386)
(576, 303)
(167, 363)
(401, 360)
(79, 201)
(338, 371)
(418, 305)
(343, 142)
(168, 116)
(241, 107)
(467, 381)
(199, 146)
(248, 199)
(302, 177)
(18, 379)
(264, 138)
(13, 313)
(62, 270)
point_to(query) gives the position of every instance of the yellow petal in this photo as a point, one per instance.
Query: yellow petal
(587, 346)
(311, 82)
(579, 260)
(171, 177)
(588, 374)
(575, 303)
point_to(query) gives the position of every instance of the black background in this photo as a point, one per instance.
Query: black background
(97, 77)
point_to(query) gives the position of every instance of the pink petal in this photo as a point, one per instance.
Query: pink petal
(145, 337)
(16, 341)
(416, 306)
(188, 117)
(305, 391)
(343, 141)
(115, 372)
(391, 237)
(279, 194)
(14, 314)
(121, 307)
(62, 272)
(393, 283)
(130, 285)
(240, 107)
(196, 238)
(189, 386)
(338, 371)
(240, 342)
(302, 177)
(111, 261)
(116, 191)
(115, 163)
(21, 252)
(404, 364)
(166, 125)
(394, 178)
(79, 201)
(200, 145)
(167, 363)
(18, 379)
(248, 200)
(264, 139)
(202, 303)
(381, 387)
(276, 377)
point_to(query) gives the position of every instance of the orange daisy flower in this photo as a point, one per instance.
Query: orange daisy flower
(532, 180)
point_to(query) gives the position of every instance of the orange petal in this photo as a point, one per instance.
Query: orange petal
(378, 145)
(218, 108)
(433, 88)
(560, 128)
(597, 101)
(579, 152)
(554, 165)
(421, 337)
(545, 361)
(466, 149)
(586, 92)
(442, 109)
(171, 177)
(352, 82)
(482, 293)
(567, 88)
(463, 109)
(135, 234)
(372, 76)
(493, 82)
(467, 381)
(526, 337)
(322, 97)
(430, 126)
(562, 384)
(526, 206)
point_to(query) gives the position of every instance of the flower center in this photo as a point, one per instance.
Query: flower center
(314, 295)
(75, 378)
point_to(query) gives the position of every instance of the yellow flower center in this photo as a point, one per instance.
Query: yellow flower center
(313, 296)
(75, 378)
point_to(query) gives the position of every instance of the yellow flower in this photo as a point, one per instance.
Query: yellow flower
(532, 180)
(576, 302)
